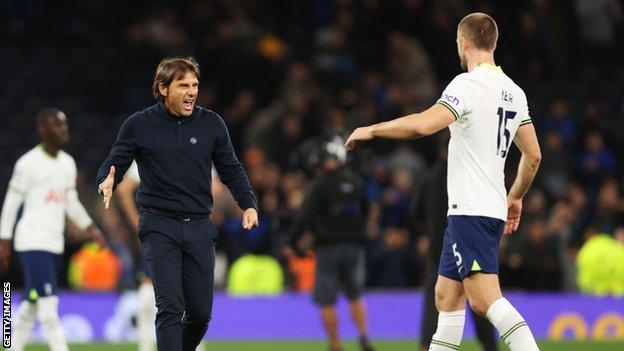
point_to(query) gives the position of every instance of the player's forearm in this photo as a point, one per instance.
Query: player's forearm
(12, 203)
(407, 127)
(128, 206)
(76, 212)
(527, 169)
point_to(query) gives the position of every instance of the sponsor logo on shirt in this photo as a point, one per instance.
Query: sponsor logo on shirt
(55, 196)
(450, 98)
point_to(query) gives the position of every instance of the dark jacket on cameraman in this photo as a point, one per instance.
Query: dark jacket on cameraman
(334, 209)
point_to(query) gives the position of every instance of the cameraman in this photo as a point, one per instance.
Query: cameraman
(335, 209)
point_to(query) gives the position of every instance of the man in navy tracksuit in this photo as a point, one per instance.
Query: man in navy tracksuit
(175, 144)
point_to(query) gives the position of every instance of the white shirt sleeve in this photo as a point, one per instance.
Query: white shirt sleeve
(73, 208)
(458, 96)
(525, 117)
(133, 173)
(15, 195)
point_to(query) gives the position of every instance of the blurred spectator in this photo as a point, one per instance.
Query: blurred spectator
(610, 207)
(393, 261)
(555, 170)
(600, 25)
(559, 120)
(395, 200)
(410, 67)
(596, 160)
(540, 258)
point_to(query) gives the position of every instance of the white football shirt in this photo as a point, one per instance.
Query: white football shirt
(489, 108)
(46, 186)
(133, 173)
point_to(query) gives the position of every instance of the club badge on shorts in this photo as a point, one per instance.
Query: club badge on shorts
(193, 140)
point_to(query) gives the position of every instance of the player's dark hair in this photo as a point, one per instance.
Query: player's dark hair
(46, 112)
(480, 29)
(170, 69)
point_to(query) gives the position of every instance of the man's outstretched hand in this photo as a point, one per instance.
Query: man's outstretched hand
(359, 134)
(250, 218)
(106, 187)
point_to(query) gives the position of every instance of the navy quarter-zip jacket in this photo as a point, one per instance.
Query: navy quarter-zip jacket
(175, 157)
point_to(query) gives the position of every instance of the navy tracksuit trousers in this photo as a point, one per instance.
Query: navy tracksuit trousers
(180, 255)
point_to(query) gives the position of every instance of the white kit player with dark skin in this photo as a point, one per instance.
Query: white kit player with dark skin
(44, 181)
(485, 111)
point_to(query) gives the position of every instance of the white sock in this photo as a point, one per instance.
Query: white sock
(24, 323)
(201, 347)
(513, 329)
(146, 317)
(47, 311)
(450, 330)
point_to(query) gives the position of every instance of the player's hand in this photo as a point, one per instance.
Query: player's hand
(514, 210)
(106, 187)
(96, 235)
(5, 254)
(359, 134)
(250, 218)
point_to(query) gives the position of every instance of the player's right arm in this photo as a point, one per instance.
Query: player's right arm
(125, 192)
(526, 141)
(112, 170)
(452, 105)
(15, 195)
(416, 125)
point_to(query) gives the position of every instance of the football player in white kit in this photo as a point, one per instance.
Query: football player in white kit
(485, 110)
(44, 180)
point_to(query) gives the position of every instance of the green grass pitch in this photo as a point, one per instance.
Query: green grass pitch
(404, 345)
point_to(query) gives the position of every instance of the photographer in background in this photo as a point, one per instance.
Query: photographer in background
(335, 209)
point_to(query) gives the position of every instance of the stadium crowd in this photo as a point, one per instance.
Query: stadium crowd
(281, 77)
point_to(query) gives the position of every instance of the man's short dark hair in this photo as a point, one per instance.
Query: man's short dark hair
(170, 69)
(46, 112)
(480, 29)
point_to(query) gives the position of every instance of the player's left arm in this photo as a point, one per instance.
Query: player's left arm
(15, 196)
(416, 125)
(526, 141)
(125, 194)
(76, 212)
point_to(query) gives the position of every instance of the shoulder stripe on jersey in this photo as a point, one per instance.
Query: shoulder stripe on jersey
(447, 105)
(525, 122)
(17, 190)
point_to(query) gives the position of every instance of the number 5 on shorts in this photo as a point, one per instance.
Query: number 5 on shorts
(458, 256)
